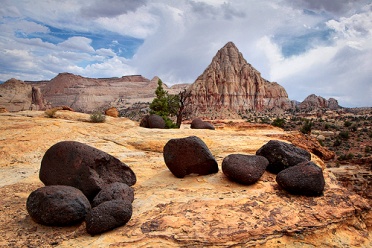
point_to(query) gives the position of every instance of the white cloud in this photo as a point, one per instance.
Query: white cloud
(77, 44)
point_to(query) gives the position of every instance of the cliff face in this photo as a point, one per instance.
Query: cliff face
(230, 83)
(89, 94)
(16, 95)
(313, 102)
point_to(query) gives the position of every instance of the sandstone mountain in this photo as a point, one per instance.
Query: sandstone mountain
(195, 211)
(314, 102)
(230, 84)
(16, 95)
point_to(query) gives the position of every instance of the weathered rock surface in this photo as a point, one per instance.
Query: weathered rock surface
(229, 82)
(57, 205)
(244, 169)
(114, 191)
(84, 167)
(308, 143)
(189, 155)
(194, 211)
(16, 95)
(198, 123)
(314, 102)
(303, 179)
(113, 112)
(107, 216)
(152, 121)
(282, 155)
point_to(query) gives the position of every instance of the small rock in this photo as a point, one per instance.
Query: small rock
(197, 123)
(107, 216)
(152, 121)
(57, 205)
(83, 167)
(244, 169)
(189, 155)
(282, 155)
(113, 112)
(114, 191)
(303, 179)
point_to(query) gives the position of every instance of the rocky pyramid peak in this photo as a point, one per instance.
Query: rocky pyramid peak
(231, 85)
(313, 101)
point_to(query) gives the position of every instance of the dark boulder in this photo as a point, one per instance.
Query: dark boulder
(114, 191)
(107, 216)
(244, 169)
(189, 155)
(83, 167)
(282, 155)
(303, 179)
(197, 123)
(152, 121)
(57, 205)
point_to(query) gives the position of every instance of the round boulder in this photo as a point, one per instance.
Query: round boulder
(107, 216)
(303, 179)
(83, 167)
(244, 169)
(57, 205)
(114, 191)
(197, 123)
(189, 155)
(152, 121)
(282, 155)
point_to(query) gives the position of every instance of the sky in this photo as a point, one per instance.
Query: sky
(307, 46)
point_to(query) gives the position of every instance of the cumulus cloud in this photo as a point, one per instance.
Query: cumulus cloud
(110, 8)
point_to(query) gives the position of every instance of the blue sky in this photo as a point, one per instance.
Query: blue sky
(308, 46)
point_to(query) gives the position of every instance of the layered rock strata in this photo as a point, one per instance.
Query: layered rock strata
(230, 83)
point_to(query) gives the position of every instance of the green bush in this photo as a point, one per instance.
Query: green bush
(344, 135)
(306, 127)
(347, 124)
(97, 117)
(278, 122)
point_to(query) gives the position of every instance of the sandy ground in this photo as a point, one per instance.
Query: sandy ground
(167, 211)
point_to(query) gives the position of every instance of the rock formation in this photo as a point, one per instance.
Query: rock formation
(57, 205)
(314, 102)
(282, 155)
(15, 95)
(244, 169)
(195, 211)
(231, 84)
(84, 167)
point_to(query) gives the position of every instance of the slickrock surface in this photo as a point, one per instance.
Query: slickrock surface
(194, 211)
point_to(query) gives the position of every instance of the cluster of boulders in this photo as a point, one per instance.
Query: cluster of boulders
(295, 172)
(82, 183)
(156, 121)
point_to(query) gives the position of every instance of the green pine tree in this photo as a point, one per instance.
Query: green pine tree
(165, 105)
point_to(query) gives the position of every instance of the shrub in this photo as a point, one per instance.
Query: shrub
(97, 117)
(347, 124)
(306, 127)
(51, 113)
(367, 149)
(278, 122)
(344, 135)
(337, 142)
